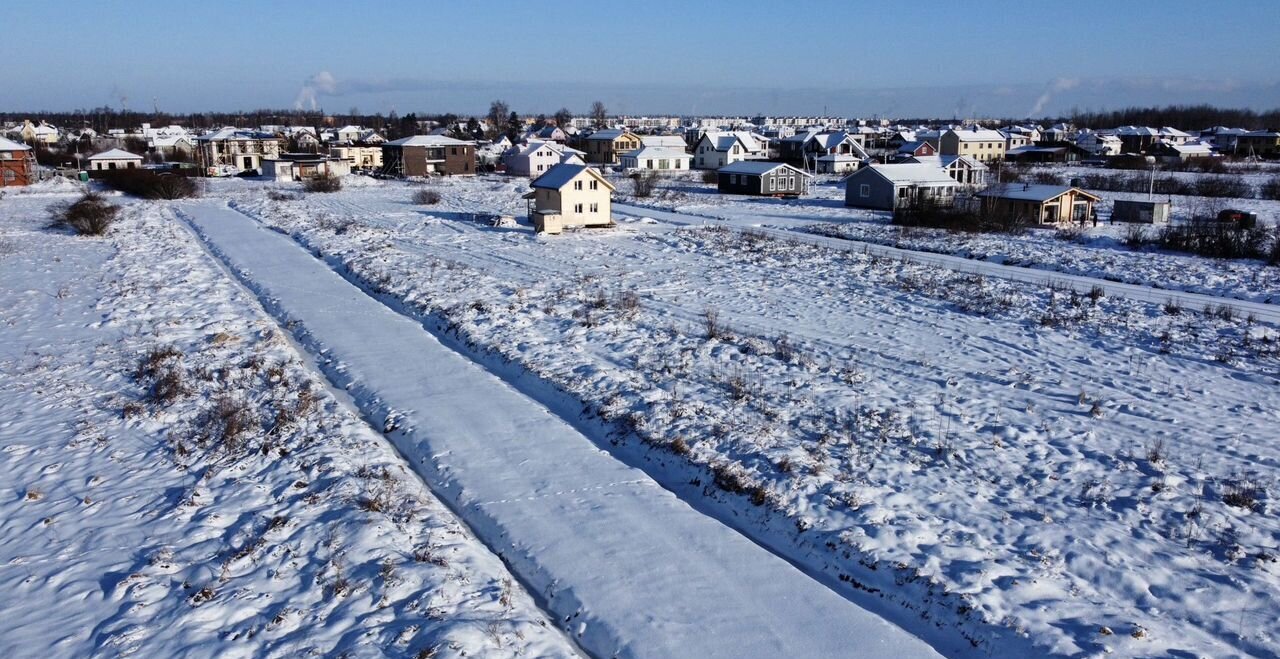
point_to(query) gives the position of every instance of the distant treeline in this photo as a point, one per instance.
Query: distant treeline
(101, 119)
(1185, 117)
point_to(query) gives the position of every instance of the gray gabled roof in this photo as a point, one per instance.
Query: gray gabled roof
(559, 176)
(428, 140)
(10, 145)
(1029, 191)
(756, 167)
(229, 133)
(610, 134)
(911, 173)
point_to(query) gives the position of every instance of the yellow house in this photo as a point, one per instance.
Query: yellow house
(570, 196)
(605, 146)
(981, 144)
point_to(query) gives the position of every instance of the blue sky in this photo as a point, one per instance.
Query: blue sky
(954, 58)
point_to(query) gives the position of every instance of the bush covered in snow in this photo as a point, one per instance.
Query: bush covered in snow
(322, 183)
(147, 184)
(426, 197)
(91, 215)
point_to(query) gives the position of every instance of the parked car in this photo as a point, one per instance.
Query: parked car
(1242, 219)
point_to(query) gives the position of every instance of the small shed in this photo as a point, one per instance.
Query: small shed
(1141, 212)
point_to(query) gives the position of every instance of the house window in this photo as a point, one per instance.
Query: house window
(595, 208)
(864, 190)
(577, 208)
(577, 185)
(595, 185)
(772, 182)
(791, 183)
(733, 179)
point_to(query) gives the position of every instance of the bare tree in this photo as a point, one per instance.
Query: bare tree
(599, 115)
(563, 117)
(497, 117)
(644, 183)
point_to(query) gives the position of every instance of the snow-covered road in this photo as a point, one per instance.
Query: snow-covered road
(623, 564)
(1262, 311)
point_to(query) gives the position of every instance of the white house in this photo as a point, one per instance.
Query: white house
(664, 141)
(803, 148)
(42, 133)
(173, 147)
(235, 148)
(838, 163)
(966, 171)
(1178, 152)
(300, 166)
(536, 158)
(371, 136)
(114, 159)
(656, 158)
(1171, 135)
(348, 134)
(1099, 144)
(547, 134)
(717, 149)
(1014, 139)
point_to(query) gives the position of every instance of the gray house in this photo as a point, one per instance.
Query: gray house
(907, 185)
(756, 177)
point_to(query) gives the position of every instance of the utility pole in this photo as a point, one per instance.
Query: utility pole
(1151, 187)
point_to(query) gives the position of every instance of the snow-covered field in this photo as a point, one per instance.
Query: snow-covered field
(1098, 252)
(1090, 473)
(178, 482)
(1016, 469)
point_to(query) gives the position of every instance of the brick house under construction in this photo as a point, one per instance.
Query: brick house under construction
(17, 164)
(429, 155)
